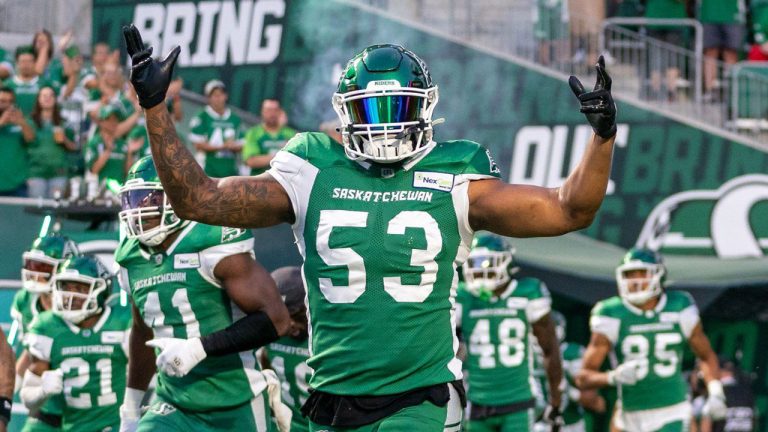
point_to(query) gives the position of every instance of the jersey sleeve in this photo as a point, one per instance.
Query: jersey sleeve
(290, 168)
(122, 279)
(233, 241)
(601, 322)
(197, 130)
(37, 341)
(689, 317)
(481, 165)
(539, 302)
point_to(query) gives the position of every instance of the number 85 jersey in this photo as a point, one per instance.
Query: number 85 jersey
(656, 339)
(381, 244)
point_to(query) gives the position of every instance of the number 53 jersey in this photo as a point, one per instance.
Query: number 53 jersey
(381, 244)
(93, 360)
(656, 339)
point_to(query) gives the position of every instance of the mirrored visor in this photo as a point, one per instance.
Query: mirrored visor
(138, 198)
(482, 262)
(385, 109)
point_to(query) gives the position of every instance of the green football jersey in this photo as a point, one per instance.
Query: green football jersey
(656, 339)
(26, 91)
(209, 126)
(94, 363)
(497, 333)
(179, 296)
(24, 308)
(381, 245)
(288, 357)
(260, 142)
(115, 167)
(571, 354)
(15, 158)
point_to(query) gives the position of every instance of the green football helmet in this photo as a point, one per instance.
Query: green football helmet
(80, 288)
(385, 101)
(640, 275)
(146, 213)
(489, 264)
(40, 262)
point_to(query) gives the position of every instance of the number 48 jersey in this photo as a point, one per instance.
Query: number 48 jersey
(178, 296)
(93, 361)
(656, 339)
(497, 332)
(381, 245)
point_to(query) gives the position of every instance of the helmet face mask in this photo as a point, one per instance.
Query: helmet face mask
(146, 213)
(640, 276)
(80, 289)
(385, 103)
(489, 265)
(40, 263)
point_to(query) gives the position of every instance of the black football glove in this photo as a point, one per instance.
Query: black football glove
(149, 77)
(597, 105)
(553, 417)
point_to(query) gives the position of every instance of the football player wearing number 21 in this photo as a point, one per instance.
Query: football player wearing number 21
(382, 221)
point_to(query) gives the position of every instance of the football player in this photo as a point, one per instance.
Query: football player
(496, 314)
(574, 400)
(288, 355)
(39, 264)
(383, 222)
(646, 328)
(188, 280)
(79, 348)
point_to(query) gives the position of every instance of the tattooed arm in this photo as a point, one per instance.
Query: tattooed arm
(247, 202)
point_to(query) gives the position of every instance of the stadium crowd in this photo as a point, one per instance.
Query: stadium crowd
(69, 123)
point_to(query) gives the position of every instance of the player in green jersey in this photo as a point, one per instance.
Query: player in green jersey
(39, 264)
(288, 355)
(79, 349)
(645, 327)
(496, 314)
(188, 280)
(574, 400)
(383, 222)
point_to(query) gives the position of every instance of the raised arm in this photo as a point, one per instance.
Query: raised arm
(248, 202)
(529, 211)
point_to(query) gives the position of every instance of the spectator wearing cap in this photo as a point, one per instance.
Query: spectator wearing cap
(112, 91)
(724, 31)
(216, 132)
(27, 82)
(48, 158)
(78, 77)
(264, 140)
(106, 153)
(15, 133)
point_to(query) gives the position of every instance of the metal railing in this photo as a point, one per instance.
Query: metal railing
(749, 98)
(678, 78)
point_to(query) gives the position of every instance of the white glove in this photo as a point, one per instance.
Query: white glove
(52, 382)
(282, 413)
(178, 356)
(715, 407)
(130, 410)
(625, 373)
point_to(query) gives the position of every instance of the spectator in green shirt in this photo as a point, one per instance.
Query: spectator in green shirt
(48, 158)
(6, 65)
(263, 141)
(216, 132)
(27, 82)
(46, 65)
(15, 133)
(106, 154)
(724, 32)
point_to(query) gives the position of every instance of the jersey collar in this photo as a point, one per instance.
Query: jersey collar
(637, 311)
(216, 115)
(17, 80)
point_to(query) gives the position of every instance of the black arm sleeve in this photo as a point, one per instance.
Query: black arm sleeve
(253, 331)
